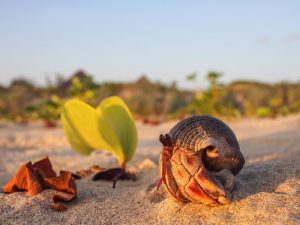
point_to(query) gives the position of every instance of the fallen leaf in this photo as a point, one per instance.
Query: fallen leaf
(114, 174)
(84, 173)
(65, 186)
(34, 178)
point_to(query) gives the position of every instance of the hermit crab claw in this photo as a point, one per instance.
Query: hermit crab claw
(201, 185)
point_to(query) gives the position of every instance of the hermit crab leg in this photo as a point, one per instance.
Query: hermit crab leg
(165, 156)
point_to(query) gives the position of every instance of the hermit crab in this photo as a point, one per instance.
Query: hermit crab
(199, 159)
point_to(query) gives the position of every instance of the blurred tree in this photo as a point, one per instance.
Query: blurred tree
(214, 90)
(213, 78)
(191, 76)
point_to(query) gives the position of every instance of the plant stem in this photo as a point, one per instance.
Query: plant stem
(122, 165)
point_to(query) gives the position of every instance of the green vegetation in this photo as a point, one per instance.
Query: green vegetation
(151, 101)
(263, 112)
(48, 110)
(110, 127)
(215, 100)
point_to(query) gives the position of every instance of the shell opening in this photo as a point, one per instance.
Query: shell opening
(211, 152)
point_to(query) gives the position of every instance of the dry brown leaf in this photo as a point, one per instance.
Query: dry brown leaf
(34, 178)
(84, 173)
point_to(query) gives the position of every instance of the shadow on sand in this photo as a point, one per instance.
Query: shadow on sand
(277, 161)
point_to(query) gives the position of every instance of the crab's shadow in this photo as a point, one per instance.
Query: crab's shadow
(268, 169)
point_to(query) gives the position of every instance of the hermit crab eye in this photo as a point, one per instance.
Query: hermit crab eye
(211, 152)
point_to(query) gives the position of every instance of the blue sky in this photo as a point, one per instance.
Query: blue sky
(119, 40)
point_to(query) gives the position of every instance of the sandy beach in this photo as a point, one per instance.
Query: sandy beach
(267, 190)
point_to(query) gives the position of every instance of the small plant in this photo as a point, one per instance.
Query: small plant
(109, 127)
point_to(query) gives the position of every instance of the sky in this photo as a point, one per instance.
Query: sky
(166, 40)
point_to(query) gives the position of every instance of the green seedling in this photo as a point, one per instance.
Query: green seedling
(109, 127)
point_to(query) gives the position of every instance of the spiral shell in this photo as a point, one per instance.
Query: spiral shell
(200, 131)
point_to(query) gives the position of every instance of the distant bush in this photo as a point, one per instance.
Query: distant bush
(263, 112)
(295, 106)
(48, 110)
(284, 111)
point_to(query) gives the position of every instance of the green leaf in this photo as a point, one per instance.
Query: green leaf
(111, 127)
(116, 113)
(87, 130)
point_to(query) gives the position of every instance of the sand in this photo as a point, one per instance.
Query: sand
(267, 190)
